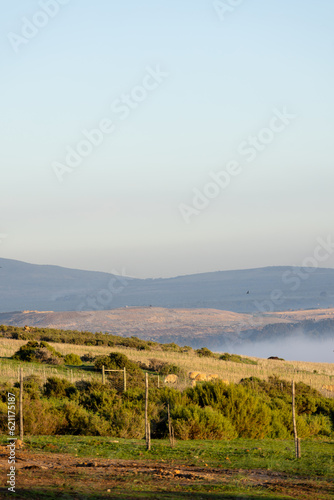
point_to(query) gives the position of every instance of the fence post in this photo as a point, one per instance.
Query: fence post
(158, 381)
(170, 428)
(124, 375)
(21, 404)
(147, 424)
(297, 444)
(103, 375)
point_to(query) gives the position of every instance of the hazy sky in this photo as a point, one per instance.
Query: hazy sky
(215, 148)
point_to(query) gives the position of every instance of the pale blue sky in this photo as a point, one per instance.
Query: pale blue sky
(120, 208)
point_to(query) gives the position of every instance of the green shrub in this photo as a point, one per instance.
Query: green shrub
(134, 343)
(32, 385)
(88, 358)
(171, 347)
(102, 361)
(193, 422)
(39, 352)
(156, 365)
(204, 352)
(79, 421)
(98, 398)
(116, 361)
(171, 368)
(127, 422)
(250, 415)
(318, 425)
(73, 360)
(213, 394)
(57, 387)
(236, 359)
(41, 418)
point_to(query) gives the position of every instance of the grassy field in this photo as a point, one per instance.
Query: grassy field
(93, 468)
(314, 374)
(85, 467)
(269, 454)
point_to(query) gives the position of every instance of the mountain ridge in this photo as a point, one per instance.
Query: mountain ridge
(41, 287)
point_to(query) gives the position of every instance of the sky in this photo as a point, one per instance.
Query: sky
(166, 137)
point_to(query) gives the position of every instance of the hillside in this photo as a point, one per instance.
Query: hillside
(305, 335)
(26, 286)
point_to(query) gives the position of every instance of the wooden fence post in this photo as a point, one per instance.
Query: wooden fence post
(147, 424)
(124, 375)
(297, 442)
(170, 428)
(21, 404)
(103, 375)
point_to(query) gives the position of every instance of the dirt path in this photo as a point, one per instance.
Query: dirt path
(72, 477)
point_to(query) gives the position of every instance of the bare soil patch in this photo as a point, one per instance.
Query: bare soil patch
(75, 477)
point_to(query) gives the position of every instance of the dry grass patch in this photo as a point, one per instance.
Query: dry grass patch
(314, 374)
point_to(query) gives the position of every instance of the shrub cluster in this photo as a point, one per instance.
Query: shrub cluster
(237, 359)
(204, 352)
(253, 408)
(75, 337)
(42, 352)
(39, 352)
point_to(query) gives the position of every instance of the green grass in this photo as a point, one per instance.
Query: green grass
(9, 370)
(275, 455)
(313, 471)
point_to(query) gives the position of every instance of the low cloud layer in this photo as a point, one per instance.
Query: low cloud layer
(299, 348)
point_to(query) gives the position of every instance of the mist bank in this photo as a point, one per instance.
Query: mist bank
(298, 348)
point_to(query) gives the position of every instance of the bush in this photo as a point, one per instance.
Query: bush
(73, 360)
(213, 394)
(164, 368)
(192, 422)
(58, 387)
(134, 343)
(43, 355)
(171, 347)
(96, 397)
(40, 352)
(250, 414)
(204, 352)
(156, 365)
(88, 358)
(41, 418)
(127, 422)
(318, 425)
(116, 361)
(236, 359)
(79, 421)
(32, 385)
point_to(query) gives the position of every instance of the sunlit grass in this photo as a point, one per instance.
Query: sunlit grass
(314, 374)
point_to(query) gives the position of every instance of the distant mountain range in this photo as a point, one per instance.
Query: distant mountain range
(26, 286)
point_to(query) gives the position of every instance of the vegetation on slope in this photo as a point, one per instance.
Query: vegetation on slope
(252, 408)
